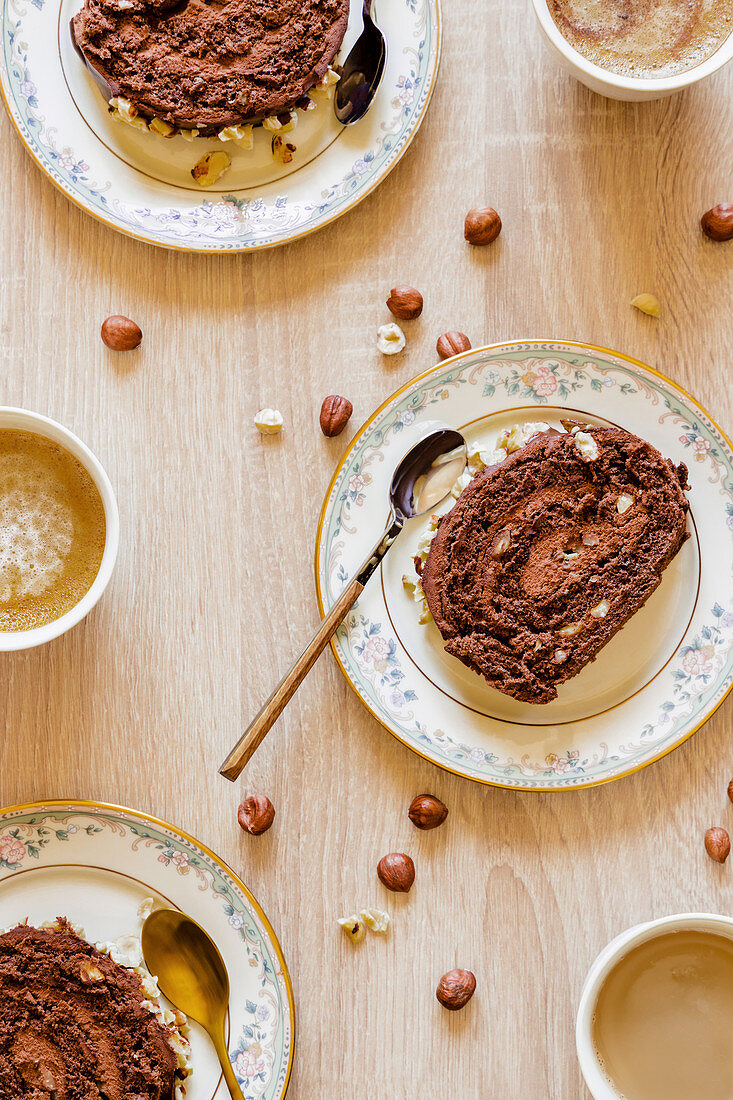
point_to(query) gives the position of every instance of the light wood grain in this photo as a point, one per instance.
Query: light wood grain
(213, 594)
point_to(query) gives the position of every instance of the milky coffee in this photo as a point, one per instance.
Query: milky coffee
(663, 1021)
(644, 38)
(52, 530)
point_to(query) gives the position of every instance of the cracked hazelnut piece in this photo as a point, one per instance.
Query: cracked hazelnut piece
(717, 223)
(455, 989)
(482, 225)
(717, 844)
(256, 814)
(335, 413)
(427, 812)
(405, 303)
(354, 927)
(397, 872)
(376, 920)
(730, 790)
(210, 167)
(390, 339)
(120, 333)
(648, 304)
(452, 343)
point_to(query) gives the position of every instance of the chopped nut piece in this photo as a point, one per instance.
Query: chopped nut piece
(648, 304)
(90, 972)
(326, 83)
(587, 446)
(269, 421)
(283, 151)
(600, 610)
(390, 339)
(189, 135)
(210, 167)
(623, 503)
(354, 927)
(501, 543)
(570, 630)
(560, 656)
(124, 111)
(160, 126)
(281, 124)
(376, 920)
(240, 135)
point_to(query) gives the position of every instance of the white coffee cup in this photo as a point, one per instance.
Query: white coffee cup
(614, 85)
(595, 1078)
(21, 420)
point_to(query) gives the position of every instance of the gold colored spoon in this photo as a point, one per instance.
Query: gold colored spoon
(192, 975)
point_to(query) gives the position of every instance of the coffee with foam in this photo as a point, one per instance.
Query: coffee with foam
(644, 38)
(52, 530)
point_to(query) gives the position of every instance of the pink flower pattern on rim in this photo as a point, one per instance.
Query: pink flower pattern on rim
(12, 850)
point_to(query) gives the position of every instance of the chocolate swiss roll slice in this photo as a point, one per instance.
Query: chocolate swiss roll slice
(74, 1024)
(546, 556)
(206, 66)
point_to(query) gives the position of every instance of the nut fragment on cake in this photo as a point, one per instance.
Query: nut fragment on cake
(536, 567)
(77, 1023)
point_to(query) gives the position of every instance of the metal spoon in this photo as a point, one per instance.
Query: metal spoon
(362, 72)
(192, 975)
(424, 478)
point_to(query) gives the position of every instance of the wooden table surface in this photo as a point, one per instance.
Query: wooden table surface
(213, 593)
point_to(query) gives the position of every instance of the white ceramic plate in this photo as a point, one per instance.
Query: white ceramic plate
(141, 184)
(651, 687)
(95, 863)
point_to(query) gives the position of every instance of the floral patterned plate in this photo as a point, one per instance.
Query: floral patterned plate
(650, 688)
(141, 184)
(95, 863)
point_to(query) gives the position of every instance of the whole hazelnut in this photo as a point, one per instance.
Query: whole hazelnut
(405, 302)
(717, 223)
(427, 812)
(121, 334)
(482, 225)
(256, 814)
(455, 989)
(452, 343)
(717, 844)
(397, 872)
(335, 413)
(730, 790)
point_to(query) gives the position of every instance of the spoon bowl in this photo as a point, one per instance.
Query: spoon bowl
(191, 973)
(361, 72)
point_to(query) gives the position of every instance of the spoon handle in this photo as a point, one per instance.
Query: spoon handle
(255, 734)
(227, 1069)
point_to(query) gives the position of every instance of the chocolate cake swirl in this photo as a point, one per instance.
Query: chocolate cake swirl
(73, 1023)
(546, 556)
(209, 64)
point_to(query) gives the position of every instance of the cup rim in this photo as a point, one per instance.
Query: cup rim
(25, 420)
(711, 64)
(594, 1077)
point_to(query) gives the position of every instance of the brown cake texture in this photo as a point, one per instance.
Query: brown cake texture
(73, 1025)
(546, 556)
(209, 64)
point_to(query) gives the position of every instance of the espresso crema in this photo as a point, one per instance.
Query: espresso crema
(644, 38)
